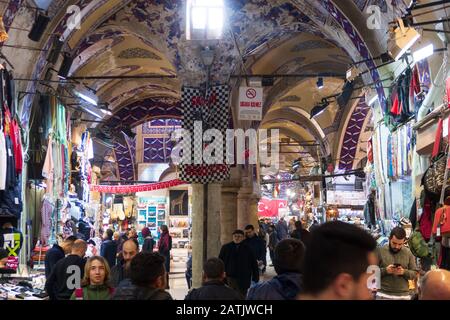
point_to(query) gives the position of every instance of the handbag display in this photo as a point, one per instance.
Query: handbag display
(433, 179)
(441, 224)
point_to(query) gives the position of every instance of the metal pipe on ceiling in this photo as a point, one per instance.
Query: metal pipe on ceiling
(162, 76)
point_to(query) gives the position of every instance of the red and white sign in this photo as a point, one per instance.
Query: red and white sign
(271, 207)
(125, 189)
(250, 103)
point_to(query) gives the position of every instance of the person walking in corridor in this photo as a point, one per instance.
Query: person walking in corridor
(164, 247)
(241, 266)
(282, 229)
(273, 241)
(214, 287)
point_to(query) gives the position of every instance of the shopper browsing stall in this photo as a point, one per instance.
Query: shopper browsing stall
(57, 284)
(397, 265)
(57, 252)
(164, 247)
(109, 248)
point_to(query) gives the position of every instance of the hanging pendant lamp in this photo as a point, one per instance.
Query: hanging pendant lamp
(3, 33)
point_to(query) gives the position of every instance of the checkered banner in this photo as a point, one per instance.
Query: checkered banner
(212, 110)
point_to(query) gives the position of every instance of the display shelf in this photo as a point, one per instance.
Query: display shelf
(179, 216)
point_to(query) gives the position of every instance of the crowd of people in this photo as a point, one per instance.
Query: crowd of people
(335, 261)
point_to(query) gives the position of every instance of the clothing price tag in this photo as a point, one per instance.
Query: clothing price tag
(438, 233)
(16, 200)
(10, 153)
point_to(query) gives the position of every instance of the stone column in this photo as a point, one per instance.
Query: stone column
(197, 234)
(243, 215)
(213, 220)
(228, 214)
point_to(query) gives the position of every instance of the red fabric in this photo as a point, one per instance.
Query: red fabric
(415, 81)
(269, 207)
(425, 220)
(448, 90)
(396, 108)
(369, 151)
(442, 220)
(437, 140)
(164, 241)
(17, 146)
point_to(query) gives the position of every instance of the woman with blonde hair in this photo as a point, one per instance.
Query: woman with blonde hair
(95, 284)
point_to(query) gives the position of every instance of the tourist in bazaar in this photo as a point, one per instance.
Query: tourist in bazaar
(301, 234)
(164, 248)
(213, 286)
(74, 263)
(108, 248)
(435, 285)
(241, 266)
(336, 262)
(121, 270)
(149, 242)
(257, 245)
(282, 229)
(398, 266)
(147, 279)
(273, 242)
(95, 284)
(57, 252)
(287, 284)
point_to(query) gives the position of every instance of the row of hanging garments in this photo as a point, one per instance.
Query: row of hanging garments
(11, 157)
(407, 94)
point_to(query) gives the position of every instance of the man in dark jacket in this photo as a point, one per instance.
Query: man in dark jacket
(241, 266)
(147, 279)
(69, 267)
(288, 260)
(301, 234)
(257, 245)
(273, 241)
(121, 270)
(214, 287)
(109, 248)
(282, 229)
(56, 253)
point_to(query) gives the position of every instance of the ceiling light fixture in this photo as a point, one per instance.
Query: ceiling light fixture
(318, 109)
(402, 39)
(423, 53)
(320, 83)
(372, 101)
(86, 98)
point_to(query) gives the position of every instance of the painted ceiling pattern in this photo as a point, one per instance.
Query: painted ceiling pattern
(138, 53)
(351, 137)
(254, 23)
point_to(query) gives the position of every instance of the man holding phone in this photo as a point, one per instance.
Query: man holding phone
(397, 265)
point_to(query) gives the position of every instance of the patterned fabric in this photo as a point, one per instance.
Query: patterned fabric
(212, 110)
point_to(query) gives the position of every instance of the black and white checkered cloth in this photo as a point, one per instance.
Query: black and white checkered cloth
(212, 110)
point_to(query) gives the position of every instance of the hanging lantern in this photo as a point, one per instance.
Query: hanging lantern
(3, 33)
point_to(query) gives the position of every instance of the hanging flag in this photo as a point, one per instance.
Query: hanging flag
(211, 110)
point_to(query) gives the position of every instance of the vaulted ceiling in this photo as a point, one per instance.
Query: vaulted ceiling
(143, 37)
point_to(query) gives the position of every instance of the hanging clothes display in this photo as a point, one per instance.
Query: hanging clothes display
(11, 156)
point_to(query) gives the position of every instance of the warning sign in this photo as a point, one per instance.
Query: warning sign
(250, 103)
